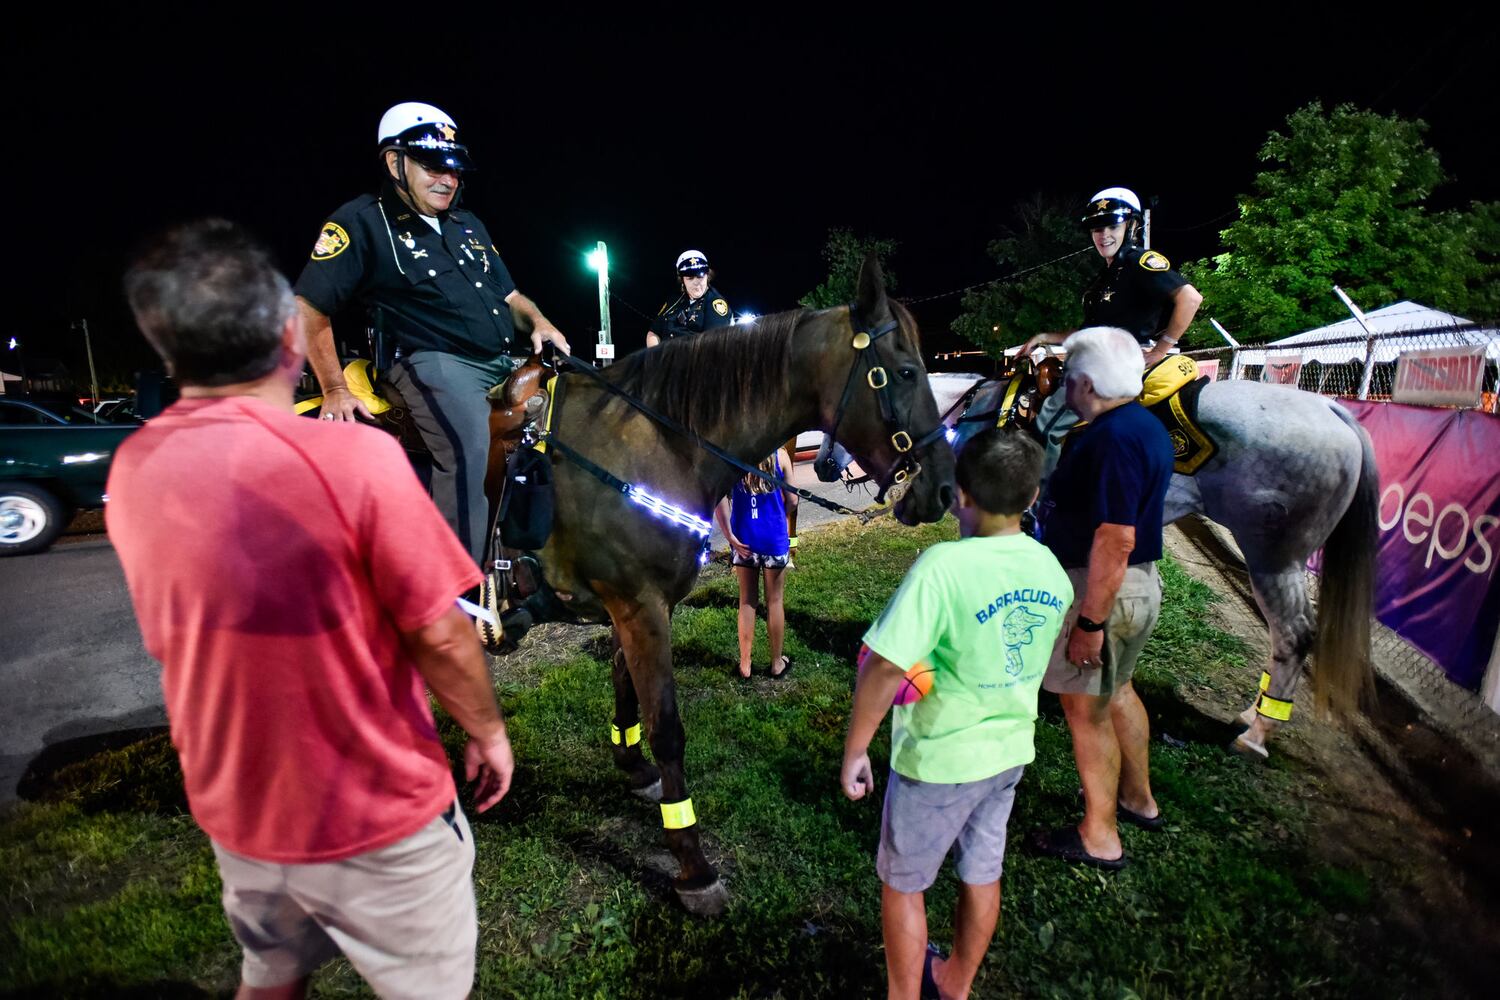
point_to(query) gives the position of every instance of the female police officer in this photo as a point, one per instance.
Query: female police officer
(1138, 291)
(699, 307)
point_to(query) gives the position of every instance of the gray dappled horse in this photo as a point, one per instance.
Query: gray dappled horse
(1294, 472)
(746, 388)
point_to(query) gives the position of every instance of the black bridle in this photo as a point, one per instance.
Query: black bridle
(877, 378)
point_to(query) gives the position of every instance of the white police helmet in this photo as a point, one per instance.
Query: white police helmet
(1111, 207)
(425, 133)
(692, 262)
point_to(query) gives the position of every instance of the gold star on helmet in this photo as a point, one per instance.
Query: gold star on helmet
(447, 131)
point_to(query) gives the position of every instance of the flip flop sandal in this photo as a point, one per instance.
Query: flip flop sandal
(929, 984)
(1152, 823)
(786, 668)
(1066, 843)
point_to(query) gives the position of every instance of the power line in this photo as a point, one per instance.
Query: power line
(997, 281)
(1198, 225)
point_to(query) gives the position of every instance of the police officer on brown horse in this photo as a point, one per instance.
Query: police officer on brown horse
(444, 294)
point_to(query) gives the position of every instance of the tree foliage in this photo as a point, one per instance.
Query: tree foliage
(845, 252)
(1343, 201)
(1005, 312)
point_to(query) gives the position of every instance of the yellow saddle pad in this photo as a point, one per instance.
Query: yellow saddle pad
(1167, 377)
(359, 376)
(1171, 394)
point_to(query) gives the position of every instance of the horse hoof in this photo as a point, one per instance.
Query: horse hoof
(709, 901)
(648, 793)
(1249, 749)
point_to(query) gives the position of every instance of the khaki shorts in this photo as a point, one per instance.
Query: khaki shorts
(403, 915)
(1137, 606)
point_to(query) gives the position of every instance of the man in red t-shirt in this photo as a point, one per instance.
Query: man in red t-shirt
(298, 587)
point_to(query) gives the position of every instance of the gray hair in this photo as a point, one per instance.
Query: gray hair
(1111, 359)
(211, 302)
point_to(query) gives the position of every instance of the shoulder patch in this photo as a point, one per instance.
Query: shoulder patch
(1153, 261)
(721, 307)
(332, 241)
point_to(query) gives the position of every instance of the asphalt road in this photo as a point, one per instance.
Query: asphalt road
(71, 658)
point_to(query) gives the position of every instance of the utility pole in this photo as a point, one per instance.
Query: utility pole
(93, 374)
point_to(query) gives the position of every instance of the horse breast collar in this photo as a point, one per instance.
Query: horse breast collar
(877, 378)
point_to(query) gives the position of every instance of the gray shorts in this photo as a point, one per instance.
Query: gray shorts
(403, 915)
(923, 820)
(1131, 620)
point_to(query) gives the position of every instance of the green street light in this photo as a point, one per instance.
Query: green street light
(598, 259)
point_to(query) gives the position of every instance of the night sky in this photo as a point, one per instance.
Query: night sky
(746, 136)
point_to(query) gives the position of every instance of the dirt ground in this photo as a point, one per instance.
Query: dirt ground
(1396, 797)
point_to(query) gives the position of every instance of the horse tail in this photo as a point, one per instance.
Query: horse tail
(1342, 678)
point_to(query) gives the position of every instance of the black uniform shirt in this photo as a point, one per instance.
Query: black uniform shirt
(1134, 293)
(438, 292)
(681, 317)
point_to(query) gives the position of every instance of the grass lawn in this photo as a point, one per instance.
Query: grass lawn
(109, 889)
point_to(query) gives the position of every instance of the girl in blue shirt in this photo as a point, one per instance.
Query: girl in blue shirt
(753, 518)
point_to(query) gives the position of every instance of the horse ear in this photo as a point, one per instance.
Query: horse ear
(870, 301)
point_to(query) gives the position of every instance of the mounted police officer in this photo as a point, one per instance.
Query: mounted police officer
(1138, 291)
(445, 296)
(699, 307)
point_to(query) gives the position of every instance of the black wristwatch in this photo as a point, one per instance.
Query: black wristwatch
(1089, 625)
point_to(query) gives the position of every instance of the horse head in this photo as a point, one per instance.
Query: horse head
(884, 412)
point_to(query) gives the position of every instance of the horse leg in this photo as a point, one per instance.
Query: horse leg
(625, 730)
(645, 637)
(1283, 600)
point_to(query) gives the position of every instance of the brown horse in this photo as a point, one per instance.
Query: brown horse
(746, 388)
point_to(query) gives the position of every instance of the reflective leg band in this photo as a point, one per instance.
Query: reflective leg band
(678, 815)
(1265, 680)
(1271, 708)
(792, 541)
(632, 735)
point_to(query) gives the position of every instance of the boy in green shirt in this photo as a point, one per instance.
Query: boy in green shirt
(985, 612)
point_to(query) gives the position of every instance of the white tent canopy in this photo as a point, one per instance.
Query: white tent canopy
(1422, 327)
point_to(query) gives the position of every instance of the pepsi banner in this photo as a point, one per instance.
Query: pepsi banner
(1437, 585)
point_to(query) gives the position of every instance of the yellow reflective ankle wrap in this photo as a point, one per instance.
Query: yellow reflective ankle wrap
(1265, 680)
(632, 735)
(1271, 708)
(677, 815)
(791, 541)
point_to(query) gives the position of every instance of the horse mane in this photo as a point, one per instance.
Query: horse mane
(711, 378)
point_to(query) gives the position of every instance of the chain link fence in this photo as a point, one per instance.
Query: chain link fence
(1362, 367)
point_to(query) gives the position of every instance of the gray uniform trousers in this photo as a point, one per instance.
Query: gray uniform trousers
(1054, 419)
(446, 396)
